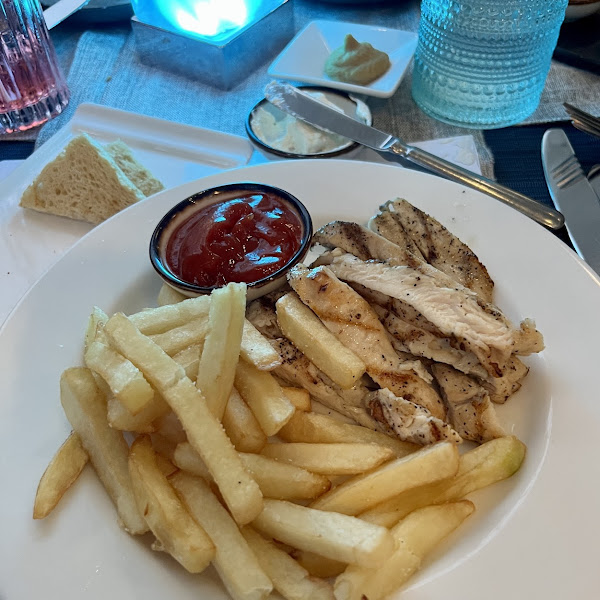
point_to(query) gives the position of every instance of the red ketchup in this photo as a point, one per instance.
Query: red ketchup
(242, 239)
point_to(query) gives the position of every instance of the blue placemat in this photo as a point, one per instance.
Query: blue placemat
(518, 161)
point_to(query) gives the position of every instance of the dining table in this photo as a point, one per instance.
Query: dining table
(97, 52)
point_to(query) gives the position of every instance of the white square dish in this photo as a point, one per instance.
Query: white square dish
(303, 59)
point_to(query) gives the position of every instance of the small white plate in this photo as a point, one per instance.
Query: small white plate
(303, 59)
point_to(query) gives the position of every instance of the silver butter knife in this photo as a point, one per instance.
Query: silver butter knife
(291, 100)
(573, 195)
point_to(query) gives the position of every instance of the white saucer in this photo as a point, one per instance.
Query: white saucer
(303, 59)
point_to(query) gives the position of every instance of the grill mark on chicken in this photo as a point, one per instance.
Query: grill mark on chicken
(409, 421)
(350, 318)
(364, 243)
(470, 410)
(385, 225)
(439, 247)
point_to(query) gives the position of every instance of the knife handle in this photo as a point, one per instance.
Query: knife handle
(528, 206)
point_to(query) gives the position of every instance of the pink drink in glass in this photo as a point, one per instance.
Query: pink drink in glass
(32, 86)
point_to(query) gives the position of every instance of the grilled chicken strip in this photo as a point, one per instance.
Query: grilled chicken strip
(456, 312)
(470, 410)
(437, 245)
(420, 343)
(409, 421)
(364, 243)
(348, 316)
(386, 225)
(410, 338)
(297, 370)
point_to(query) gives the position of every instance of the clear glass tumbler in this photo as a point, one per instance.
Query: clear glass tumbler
(483, 63)
(32, 86)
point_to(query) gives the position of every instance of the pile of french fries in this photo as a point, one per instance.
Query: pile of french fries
(195, 440)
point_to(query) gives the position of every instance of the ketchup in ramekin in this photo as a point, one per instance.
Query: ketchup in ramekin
(247, 232)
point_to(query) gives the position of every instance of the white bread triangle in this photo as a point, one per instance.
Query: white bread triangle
(82, 182)
(137, 173)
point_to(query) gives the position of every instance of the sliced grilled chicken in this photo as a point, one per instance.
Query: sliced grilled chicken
(422, 344)
(470, 410)
(417, 341)
(297, 370)
(456, 312)
(438, 246)
(502, 388)
(385, 224)
(261, 313)
(407, 420)
(348, 316)
(364, 243)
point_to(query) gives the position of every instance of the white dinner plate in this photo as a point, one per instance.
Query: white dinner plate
(532, 536)
(303, 59)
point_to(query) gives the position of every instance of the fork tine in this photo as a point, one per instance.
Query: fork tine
(595, 131)
(577, 112)
(583, 117)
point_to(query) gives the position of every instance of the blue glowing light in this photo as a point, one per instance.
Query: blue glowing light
(215, 20)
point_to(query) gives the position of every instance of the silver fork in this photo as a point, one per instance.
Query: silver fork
(582, 120)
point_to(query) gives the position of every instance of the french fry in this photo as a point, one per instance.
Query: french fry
(120, 418)
(264, 396)
(85, 408)
(256, 349)
(169, 427)
(416, 536)
(175, 529)
(234, 561)
(95, 323)
(432, 463)
(60, 474)
(240, 492)
(289, 578)
(276, 480)
(318, 566)
(241, 425)
(165, 466)
(179, 338)
(158, 320)
(221, 352)
(316, 428)
(299, 397)
(284, 481)
(340, 537)
(160, 369)
(493, 461)
(168, 295)
(125, 380)
(306, 331)
(187, 459)
(330, 459)
(189, 358)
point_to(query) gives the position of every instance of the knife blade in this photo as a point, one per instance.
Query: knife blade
(573, 195)
(302, 106)
(594, 179)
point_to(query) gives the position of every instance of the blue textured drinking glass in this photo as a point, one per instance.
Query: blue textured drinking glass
(483, 63)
